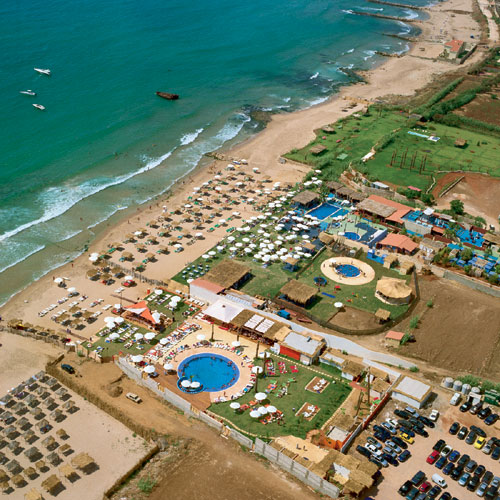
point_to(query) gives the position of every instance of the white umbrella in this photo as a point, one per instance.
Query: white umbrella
(260, 396)
(220, 248)
(149, 369)
(195, 385)
(238, 245)
(158, 291)
(176, 298)
(231, 238)
(114, 336)
(109, 319)
(200, 336)
(119, 320)
(272, 409)
(235, 405)
(168, 366)
(137, 358)
(58, 281)
(263, 354)
(338, 305)
(255, 414)
(186, 383)
(198, 235)
(262, 410)
(236, 343)
(138, 233)
(164, 341)
(212, 253)
(205, 256)
(139, 336)
(149, 336)
(117, 306)
(128, 278)
(257, 369)
(232, 249)
(93, 259)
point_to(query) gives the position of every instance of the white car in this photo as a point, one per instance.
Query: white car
(455, 399)
(392, 421)
(434, 415)
(133, 397)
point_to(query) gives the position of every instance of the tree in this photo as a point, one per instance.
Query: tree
(457, 206)
(479, 221)
(466, 254)
(493, 278)
(427, 198)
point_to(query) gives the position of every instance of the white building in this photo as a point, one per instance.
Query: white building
(412, 392)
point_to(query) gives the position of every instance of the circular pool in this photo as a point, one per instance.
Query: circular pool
(213, 372)
(348, 270)
(352, 236)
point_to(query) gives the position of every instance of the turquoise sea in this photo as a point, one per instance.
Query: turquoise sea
(106, 143)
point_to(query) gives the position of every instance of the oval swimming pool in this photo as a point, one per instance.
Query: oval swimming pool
(352, 236)
(213, 371)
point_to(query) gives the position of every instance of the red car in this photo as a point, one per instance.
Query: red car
(128, 283)
(432, 457)
(425, 486)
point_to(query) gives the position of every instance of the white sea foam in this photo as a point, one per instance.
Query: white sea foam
(410, 14)
(313, 77)
(348, 11)
(287, 99)
(71, 235)
(21, 259)
(317, 101)
(58, 200)
(369, 54)
(106, 217)
(370, 8)
(189, 138)
(350, 51)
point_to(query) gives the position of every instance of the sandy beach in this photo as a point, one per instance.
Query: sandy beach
(397, 76)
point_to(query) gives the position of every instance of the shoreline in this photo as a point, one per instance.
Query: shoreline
(395, 76)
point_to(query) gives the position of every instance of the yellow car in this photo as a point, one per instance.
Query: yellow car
(407, 438)
(479, 442)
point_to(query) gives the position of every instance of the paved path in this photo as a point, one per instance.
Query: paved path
(492, 25)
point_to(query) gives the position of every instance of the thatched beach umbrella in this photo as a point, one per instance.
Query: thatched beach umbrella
(92, 273)
(127, 256)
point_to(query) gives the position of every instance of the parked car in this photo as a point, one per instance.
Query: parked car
(417, 478)
(416, 422)
(391, 444)
(464, 479)
(478, 430)
(454, 456)
(473, 483)
(470, 466)
(455, 399)
(432, 457)
(480, 470)
(454, 428)
(402, 413)
(464, 460)
(405, 488)
(393, 422)
(440, 462)
(420, 431)
(446, 450)
(476, 408)
(425, 487)
(448, 468)
(471, 438)
(491, 492)
(404, 456)
(488, 476)
(445, 496)
(465, 407)
(390, 458)
(462, 433)
(495, 454)
(374, 442)
(434, 492)
(412, 494)
(68, 368)
(426, 421)
(479, 443)
(439, 445)
(485, 412)
(402, 444)
(457, 472)
(407, 438)
(411, 410)
(133, 397)
(488, 447)
(482, 489)
(382, 436)
(491, 419)
(372, 448)
(434, 415)
(389, 427)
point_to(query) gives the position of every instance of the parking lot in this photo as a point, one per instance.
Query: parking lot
(394, 477)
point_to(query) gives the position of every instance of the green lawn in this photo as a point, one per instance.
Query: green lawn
(328, 402)
(323, 306)
(355, 136)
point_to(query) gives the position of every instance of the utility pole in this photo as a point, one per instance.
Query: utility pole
(212, 337)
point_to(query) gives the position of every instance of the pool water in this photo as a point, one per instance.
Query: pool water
(214, 372)
(352, 236)
(327, 210)
(348, 270)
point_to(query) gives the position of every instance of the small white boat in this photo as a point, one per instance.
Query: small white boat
(39, 106)
(42, 71)
(27, 92)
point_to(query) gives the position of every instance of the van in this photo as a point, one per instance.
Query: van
(455, 399)
(436, 478)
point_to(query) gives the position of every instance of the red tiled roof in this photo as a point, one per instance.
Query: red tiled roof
(413, 188)
(454, 45)
(438, 230)
(391, 334)
(399, 241)
(398, 215)
(208, 285)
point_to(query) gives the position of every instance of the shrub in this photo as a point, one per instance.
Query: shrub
(414, 322)
(414, 369)
(430, 303)
(146, 484)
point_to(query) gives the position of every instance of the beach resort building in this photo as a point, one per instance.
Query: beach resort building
(454, 49)
(412, 392)
(388, 211)
(398, 243)
(298, 293)
(351, 366)
(393, 291)
(393, 338)
(306, 199)
(430, 247)
(304, 347)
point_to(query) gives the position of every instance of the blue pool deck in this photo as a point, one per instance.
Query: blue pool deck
(326, 210)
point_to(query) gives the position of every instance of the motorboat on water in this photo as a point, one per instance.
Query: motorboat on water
(42, 71)
(168, 96)
(39, 106)
(27, 92)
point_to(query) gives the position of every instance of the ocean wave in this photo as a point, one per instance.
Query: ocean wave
(348, 11)
(287, 99)
(71, 235)
(350, 51)
(313, 77)
(410, 14)
(59, 200)
(406, 28)
(369, 54)
(21, 259)
(106, 217)
(317, 101)
(189, 138)
(370, 8)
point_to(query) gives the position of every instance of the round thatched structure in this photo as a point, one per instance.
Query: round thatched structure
(393, 291)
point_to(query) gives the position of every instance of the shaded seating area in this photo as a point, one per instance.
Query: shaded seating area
(298, 293)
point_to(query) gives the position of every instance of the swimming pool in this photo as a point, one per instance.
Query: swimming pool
(327, 210)
(348, 270)
(352, 236)
(214, 372)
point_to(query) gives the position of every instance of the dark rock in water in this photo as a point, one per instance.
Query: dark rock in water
(166, 95)
(261, 116)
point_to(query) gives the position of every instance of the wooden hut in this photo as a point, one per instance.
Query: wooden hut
(383, 315)
(298, 292)
(33, 494)
(306, 199)
(228, 274)
(460, 143)
(69, 473)
(52, 484)
(84, 462)
(30, 473)
(18, 481)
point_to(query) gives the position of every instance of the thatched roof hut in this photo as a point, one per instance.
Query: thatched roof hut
(33, 494)
(318, 149)
(18, 480)
(383, 315)
(375, 208)
(306, 198)
(393, 291)
(228, 274)
(334, 186)
(326, 238)
(51, 484)
(68, 472)
(30, 473)
(298, 292)
(83, 461)
(3, 476)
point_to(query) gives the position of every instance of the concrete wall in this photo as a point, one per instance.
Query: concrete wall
(299, 471)
(417, 228)
(406, 399)
(472, 283)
